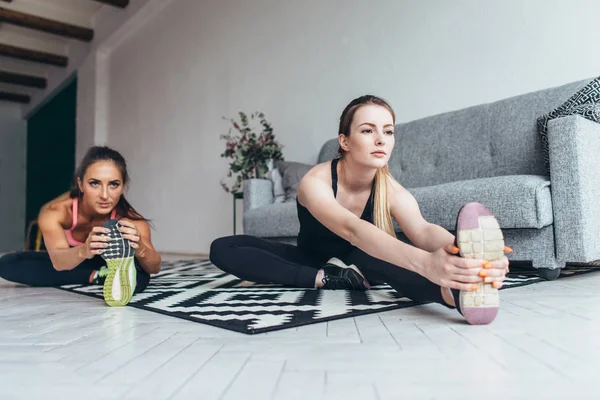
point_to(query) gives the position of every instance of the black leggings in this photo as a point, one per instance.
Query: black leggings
(263, 261)
(34, 268)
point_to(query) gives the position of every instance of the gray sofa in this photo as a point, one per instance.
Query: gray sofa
(492, 154)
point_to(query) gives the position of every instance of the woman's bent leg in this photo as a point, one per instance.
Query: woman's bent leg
(259, 260)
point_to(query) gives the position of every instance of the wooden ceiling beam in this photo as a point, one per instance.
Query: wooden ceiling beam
(46, 25)
(15, 97)
(33, 55)
(115, 3)
(15, 78)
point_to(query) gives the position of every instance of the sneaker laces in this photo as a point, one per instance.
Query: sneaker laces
(335, 282)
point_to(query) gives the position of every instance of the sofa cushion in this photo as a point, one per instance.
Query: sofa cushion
(273, 220)
(292, 173)
(517, 201)
(329, 150)
(483, 141)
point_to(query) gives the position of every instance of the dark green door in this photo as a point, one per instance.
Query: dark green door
(51, 149)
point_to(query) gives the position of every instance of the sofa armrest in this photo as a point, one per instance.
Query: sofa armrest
(574, 144)
(257, 193)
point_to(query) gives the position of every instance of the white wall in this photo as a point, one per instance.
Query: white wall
(13, 140)
(172, 80)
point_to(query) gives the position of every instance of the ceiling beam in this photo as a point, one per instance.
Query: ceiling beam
(116, 3)
(14, 78)
(33, 55)
(46, 25)
(15, 97)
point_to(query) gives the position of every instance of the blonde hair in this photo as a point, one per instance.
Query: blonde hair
(382, 217)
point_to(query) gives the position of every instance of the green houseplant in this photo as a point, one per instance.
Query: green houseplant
(251, 148)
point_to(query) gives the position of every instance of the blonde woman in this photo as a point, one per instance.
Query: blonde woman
(346, 239)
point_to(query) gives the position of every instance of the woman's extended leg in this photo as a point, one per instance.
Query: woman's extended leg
(35, 268)
(409, 283)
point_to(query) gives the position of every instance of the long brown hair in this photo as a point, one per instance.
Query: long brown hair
(381, 207)
(104, 153)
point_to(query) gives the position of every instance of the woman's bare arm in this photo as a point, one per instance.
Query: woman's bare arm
(62, 256)
(145, 253)
(438, 266)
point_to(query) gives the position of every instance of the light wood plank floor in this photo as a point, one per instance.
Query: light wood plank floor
(545, 344)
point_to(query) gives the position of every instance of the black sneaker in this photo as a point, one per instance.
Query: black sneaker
(338, 275)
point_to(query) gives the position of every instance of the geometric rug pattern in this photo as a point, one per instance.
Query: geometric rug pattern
(198, 291)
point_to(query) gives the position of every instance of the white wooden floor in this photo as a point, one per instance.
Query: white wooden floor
(545, 344)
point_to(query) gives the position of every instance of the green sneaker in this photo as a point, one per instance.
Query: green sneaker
(120, 281)
(100, 276)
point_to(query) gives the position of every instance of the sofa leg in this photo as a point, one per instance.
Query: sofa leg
(549, 274)
(548, 269)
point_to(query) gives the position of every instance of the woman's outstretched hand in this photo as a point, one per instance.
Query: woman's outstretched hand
(130, 231)
(96, 242)
(449, 270)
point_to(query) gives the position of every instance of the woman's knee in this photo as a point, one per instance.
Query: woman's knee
(218, 248)
(5, 262)
(9, 261)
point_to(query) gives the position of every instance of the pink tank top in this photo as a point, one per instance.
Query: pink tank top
(69, 232)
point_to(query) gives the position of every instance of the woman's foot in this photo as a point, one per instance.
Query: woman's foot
(448, 297)
(478, 235)
(337, 275)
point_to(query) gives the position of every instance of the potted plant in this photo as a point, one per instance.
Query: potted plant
(253, 150)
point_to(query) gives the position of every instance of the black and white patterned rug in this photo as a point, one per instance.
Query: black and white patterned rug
(198, 291)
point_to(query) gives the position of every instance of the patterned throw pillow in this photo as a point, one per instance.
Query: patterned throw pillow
(585, 103)
(278, 191)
